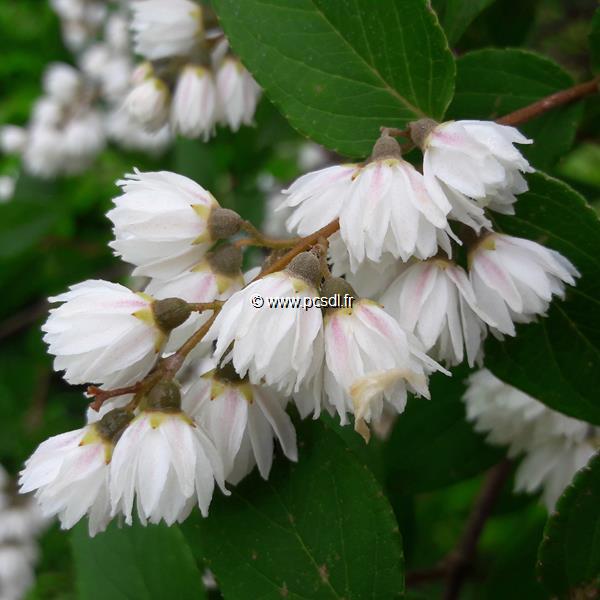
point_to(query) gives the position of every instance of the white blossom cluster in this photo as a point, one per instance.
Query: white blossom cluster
(188, 83)
(554, 446)
(20, 525)
(208, 375)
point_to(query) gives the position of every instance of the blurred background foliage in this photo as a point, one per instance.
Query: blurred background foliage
(54, 233)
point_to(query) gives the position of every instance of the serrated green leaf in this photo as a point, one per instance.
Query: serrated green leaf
(491, 83)
(557, 359)
(338, 71)
(320, 528)
(456, 15)
(569, 556)
(432, 444)
(135, 563)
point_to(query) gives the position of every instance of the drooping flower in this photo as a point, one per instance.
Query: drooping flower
(194, 107)
(165, 461)
(472, 164)
(163, 222)
(164, 28)
(383, 207)
(62, 82)
(434, 300)
(370, 279)
(148, 103)
(70, 472)
(514, 279)
(216, 277)
(238, 93)
(242, 419)
(103, 333)
(554, 446)
(370, 360)
(283, 347)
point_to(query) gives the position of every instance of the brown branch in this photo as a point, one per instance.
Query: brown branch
(260, 239)
(456, 566)
(538, 108)
(170, 365)
(555, 100)
(304, 244)
(460, 560)
(101, 396)
(23, 319)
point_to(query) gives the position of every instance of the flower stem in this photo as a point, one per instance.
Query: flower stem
(258, 238)
(202, 306)
(303, 244)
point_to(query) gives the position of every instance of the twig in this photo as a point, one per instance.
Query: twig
(304, 244)
(202, 306)
(23, 318)
(170, 365)
(460, 560)
(260, 239)
(545, 104)
(532, 111)
(101, 396)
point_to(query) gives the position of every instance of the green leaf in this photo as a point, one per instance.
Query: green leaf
(432, 444)
(456, 15)
(320, 528)
(340, 70)
(569, 556)
(135, 563)
(557, 359)
(492, 83)
(594, 40)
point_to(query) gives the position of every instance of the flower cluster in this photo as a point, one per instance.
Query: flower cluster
(189, 83)
(554, 446)
(195, 379)
(20, 525)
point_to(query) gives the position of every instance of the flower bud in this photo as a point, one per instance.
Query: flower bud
(111, 426)
(223, 223)
(337, 285)
(226, 260)
(148, 103)
(419, 130)
(386, 147)
(170, 313)
(163, 397)
(306, 266)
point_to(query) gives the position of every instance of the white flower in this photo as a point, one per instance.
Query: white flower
(116, 32)
(161, 222)
(163, 28)
(383, 207)
(7, 187)
(370, 278)
(555, 446)
(514, 279)
(216, 277)
(83, 140)
(46, 112)
(103, 333)
(166, 461)
(44, 153)
(70, 475)
(148, 102)
(370, 360)
(62, 82)
(434, 300)
(474, 164)
(128, 133)
(193, 112)
(238, 94)
(13, 139)
(243, 420)
(318, 197)
(282, 346)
